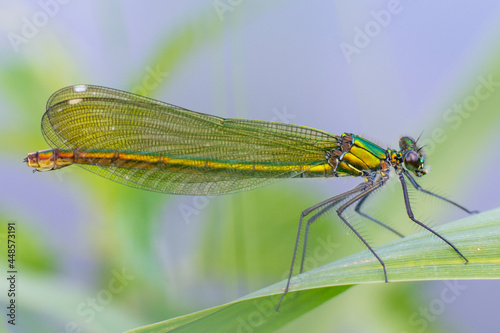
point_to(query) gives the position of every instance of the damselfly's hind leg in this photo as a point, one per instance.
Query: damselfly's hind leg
(326, 208)
(356, 194)
(317, 215)
(351, 201)
(323, 207)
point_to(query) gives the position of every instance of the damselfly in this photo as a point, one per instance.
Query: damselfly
(155, 146)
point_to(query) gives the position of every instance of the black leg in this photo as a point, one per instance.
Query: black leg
(317, 215)
(351, 201)
(362, 190)
(357, 209)
(419, 188)
(323, 204)
(411, 216)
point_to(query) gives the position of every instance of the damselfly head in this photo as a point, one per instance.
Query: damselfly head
(413, 157)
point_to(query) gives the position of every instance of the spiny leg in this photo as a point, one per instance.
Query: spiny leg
(357, 209)
(351, 201)
(419, 188)
(365, 189)
(326, 209)
(306, 212)
(306, 232)
(412, 217)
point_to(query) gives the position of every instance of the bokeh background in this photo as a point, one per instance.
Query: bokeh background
(102, 257)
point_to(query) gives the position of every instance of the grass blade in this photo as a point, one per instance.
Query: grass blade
(414, 258)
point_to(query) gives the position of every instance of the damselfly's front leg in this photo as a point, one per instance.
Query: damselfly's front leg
(419, 188)
(412, 217)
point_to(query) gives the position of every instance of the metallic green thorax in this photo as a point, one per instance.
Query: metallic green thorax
(359, 157)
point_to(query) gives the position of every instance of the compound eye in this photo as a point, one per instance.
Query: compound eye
(412, 160)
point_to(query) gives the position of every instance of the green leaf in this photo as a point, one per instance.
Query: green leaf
(414, 258)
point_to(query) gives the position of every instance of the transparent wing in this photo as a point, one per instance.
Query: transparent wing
(93, 117)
